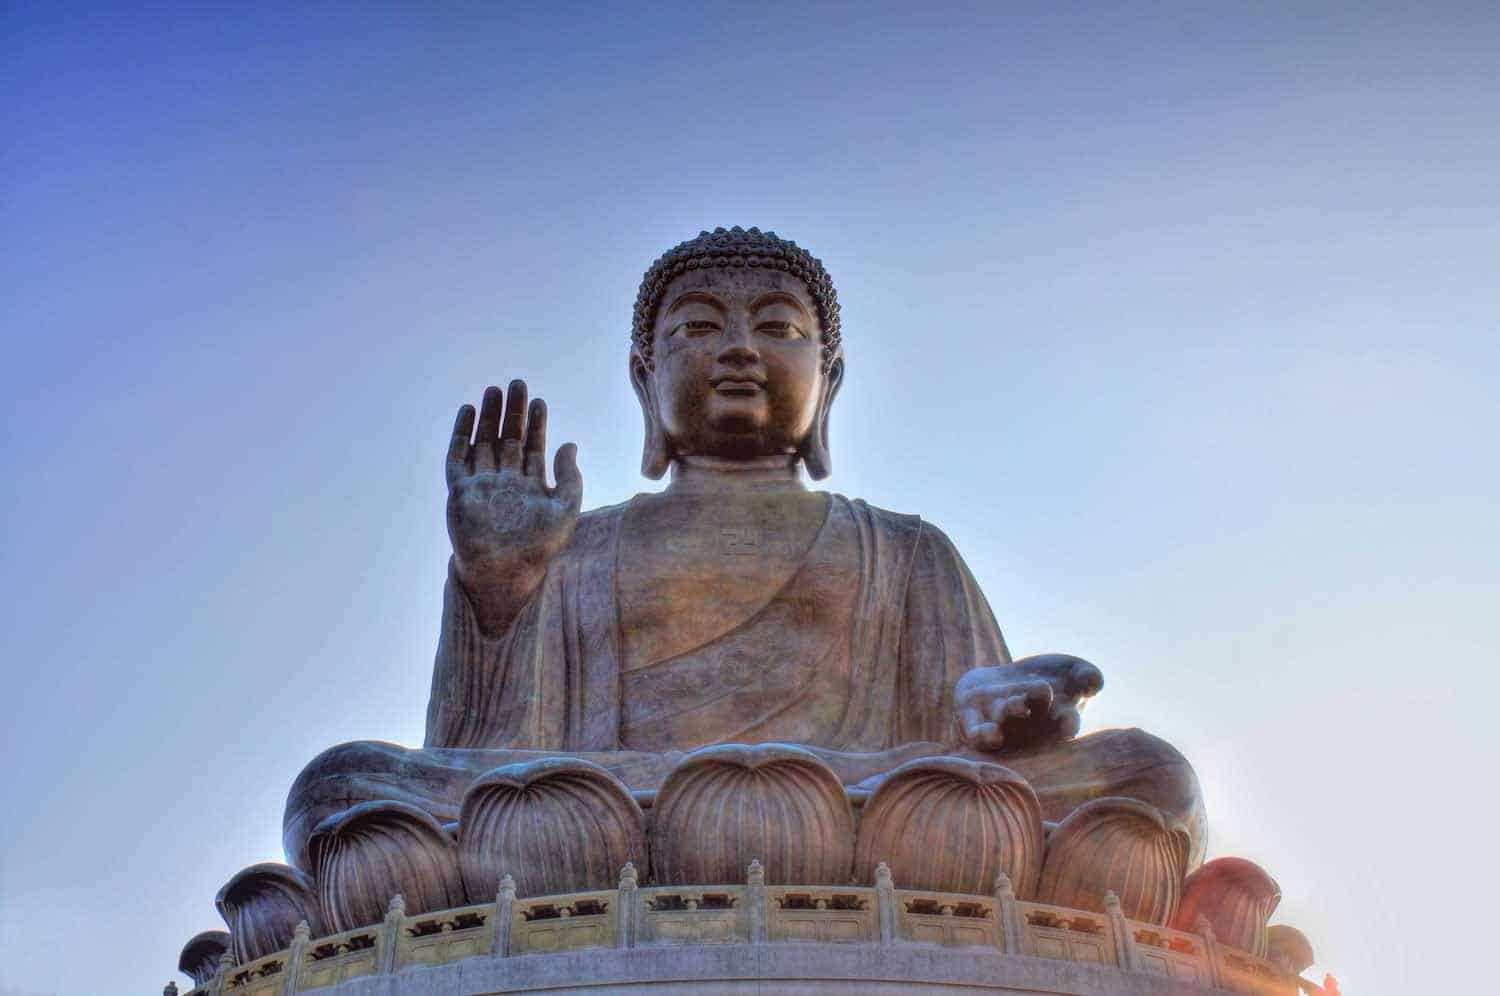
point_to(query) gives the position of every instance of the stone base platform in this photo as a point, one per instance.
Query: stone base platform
(767, 969)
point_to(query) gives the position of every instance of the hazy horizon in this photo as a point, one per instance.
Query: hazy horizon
(1180, 320)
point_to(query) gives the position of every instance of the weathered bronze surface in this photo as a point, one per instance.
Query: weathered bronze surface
(734, 607)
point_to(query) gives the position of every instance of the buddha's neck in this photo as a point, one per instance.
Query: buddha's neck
(703, 475)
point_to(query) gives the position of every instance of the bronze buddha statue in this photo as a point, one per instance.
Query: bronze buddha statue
(736, 606)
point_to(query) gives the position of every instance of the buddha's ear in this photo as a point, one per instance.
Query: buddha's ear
(656, 455)
(815, 447)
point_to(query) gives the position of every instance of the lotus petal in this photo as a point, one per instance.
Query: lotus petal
(1116, 845)
(263, 905)
(200, 956)
(375, 850)
(952, 825)
(724, 806)
(555, 825)
(1236, 896)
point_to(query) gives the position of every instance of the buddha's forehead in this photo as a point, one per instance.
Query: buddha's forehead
(737, 286)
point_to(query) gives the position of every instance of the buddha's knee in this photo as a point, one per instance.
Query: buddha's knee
(1130, 763)
(355, 758)
(338, 778)
(1140, 756)
(1138, 765)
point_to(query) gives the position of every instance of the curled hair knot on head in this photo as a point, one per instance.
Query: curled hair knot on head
(737, 247)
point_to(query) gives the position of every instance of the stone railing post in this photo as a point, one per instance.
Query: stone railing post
(755, 880)
(505, 911)
(301, 938)
(886, 914)
(390, 934)
(1210, 951)
(226, 965)
(627, 904)
(1011, 927)
(1124, 937)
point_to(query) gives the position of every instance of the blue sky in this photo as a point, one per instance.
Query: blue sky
(1179, 319)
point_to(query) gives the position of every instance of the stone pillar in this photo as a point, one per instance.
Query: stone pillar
(755, 880)
(886, 912)
(627, 903)
(226, 965)
(390, 934)
(1210, 951)
(301, 937)
(1124, 936)
(505, 911)
(1011, 927)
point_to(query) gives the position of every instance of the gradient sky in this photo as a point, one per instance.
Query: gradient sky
(1179, 319)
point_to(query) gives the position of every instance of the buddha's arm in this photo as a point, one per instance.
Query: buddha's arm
(948, 630)
(505, 523)
(477, 697)
(962, 687)
(507, 527)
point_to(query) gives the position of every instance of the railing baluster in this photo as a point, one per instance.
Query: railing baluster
(627, 907)
(505, 908)
(1011, 927)
(294, 955)
(755, 900)
(886, 913)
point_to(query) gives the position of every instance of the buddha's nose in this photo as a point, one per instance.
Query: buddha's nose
(737, 345)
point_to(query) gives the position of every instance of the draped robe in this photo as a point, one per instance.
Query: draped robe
(858, 651)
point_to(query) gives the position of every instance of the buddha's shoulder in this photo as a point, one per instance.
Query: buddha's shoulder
(596, 529)
(883, 519)
(911, 528)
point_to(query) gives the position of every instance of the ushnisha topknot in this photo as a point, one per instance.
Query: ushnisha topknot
(737, 247)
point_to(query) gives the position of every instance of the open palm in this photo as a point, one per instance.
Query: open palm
(502, 515)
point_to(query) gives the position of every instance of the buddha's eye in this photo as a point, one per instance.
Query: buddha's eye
(697, 328)
(780, 330)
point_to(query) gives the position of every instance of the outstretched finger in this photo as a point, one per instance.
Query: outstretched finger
(488, 434)
(1084, 679)
(536, 441)
(978, 730)
(569, 480)
(514, 425)
(458, 446)
(515, 411)
(1010, 707)
(1039, 695)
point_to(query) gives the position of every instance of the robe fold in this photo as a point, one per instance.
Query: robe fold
(858, 651)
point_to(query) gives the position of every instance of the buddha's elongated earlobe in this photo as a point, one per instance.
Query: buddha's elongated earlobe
(656, 453)
(814, 453)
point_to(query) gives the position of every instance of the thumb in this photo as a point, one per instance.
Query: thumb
(569, 480)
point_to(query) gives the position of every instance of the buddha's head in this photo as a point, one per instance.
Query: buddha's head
(735, 352)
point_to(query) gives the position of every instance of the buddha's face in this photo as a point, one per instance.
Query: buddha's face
(738, 363)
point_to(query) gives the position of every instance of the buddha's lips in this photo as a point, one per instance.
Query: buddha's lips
(734, 385)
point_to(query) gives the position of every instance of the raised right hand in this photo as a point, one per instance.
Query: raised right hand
(506, 524)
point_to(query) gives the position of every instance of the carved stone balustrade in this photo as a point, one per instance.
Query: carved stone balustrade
(502, 946)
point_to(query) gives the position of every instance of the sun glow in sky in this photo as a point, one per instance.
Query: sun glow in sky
(1179, 319)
